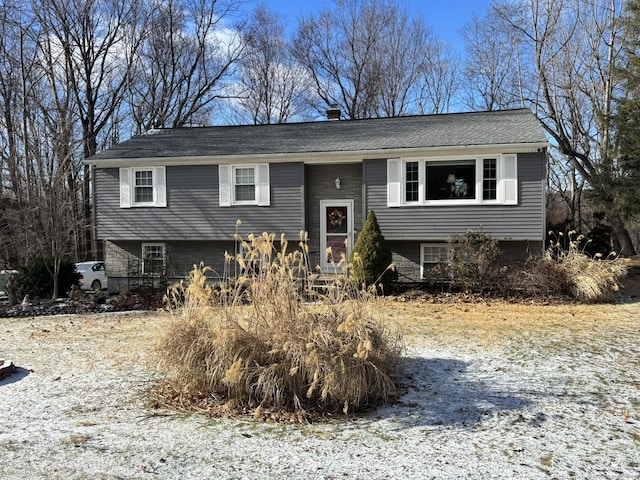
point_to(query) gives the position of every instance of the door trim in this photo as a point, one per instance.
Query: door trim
(349, 204)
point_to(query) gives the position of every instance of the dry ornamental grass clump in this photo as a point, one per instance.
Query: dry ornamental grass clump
(587, 279)
(254, 344)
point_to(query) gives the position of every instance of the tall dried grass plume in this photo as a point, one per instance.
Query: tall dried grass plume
(586, 278)
(256, 344)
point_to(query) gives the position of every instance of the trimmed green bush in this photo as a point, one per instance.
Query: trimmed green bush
(371, 260)
(34, 278)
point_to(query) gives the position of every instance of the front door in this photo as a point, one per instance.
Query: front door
(336, 232)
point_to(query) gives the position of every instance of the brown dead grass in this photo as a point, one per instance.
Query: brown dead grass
(53, 345)
(494, 324)
(124, 339)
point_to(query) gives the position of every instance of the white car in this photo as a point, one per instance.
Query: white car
(93, 275)
(5, 275)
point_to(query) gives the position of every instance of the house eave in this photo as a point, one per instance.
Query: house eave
(335, 157)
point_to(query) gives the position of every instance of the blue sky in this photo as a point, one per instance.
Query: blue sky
(446, 17)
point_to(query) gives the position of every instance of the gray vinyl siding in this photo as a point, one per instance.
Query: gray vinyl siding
(524, 221)
(193, 211)
(321, 186)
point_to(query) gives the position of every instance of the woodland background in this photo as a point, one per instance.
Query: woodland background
(77, 76)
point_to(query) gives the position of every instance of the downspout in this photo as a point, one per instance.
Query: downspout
(94, 215)
(545, 183)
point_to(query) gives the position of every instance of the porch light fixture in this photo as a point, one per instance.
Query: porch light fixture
(338, 183)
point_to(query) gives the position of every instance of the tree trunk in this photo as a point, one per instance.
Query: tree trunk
(624, 240)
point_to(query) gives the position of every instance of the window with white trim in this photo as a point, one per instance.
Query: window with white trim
(431, 255)
(412, 182)
(450, 180)
(153, 259)
(453, 181)
(143, 187)
(244, 185)
(489, 179)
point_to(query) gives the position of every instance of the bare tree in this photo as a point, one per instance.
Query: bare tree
(19, 74)
(340, 49)
(440, 78)
(183, 65)
(371, 59)
(40, 214)
(96, 40)
(574, 47)
(271, 86)
(492, 70)
(403, 57)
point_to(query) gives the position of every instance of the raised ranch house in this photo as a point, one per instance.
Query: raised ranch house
(170, 198)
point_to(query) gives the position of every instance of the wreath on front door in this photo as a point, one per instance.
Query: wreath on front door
(336, 217)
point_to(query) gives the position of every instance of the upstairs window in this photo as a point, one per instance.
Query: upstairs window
(412, 182)
(489, 179)
(143, 187)
(453, 181)
(244, 185)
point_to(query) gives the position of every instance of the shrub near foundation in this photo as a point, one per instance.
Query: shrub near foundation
(255, 345)
(586, 278)
(371, 260)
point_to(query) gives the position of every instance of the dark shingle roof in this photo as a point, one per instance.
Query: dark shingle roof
(424, 131)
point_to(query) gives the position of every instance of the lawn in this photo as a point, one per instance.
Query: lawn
(490, 390)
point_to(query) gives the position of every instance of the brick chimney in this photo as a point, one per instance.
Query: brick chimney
(333, 112)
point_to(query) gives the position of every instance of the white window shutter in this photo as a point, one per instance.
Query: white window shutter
(160, 186)
(394, 179)
(509, 179)
(224, 183)
(125, 187)
(263, 194)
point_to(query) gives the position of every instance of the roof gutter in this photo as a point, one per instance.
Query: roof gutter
(355, 156)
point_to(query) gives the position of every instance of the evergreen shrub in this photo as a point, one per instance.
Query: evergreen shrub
(34, 277)
(371, 261)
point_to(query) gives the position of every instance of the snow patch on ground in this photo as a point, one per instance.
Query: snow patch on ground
(525, 410)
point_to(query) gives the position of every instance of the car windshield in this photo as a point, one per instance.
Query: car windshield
(4, 279)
